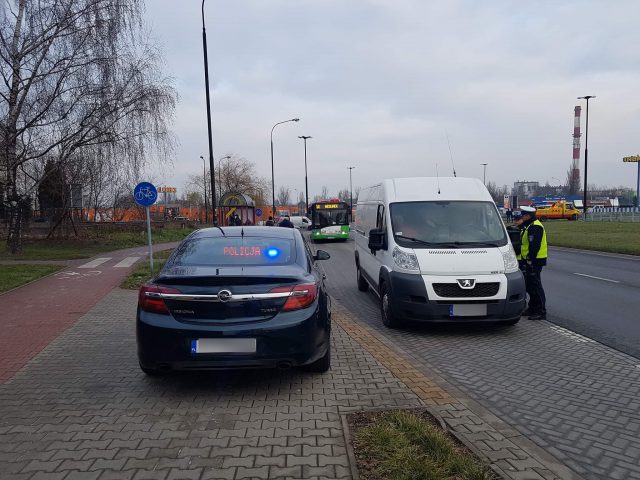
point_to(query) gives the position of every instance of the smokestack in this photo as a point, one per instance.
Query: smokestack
(575, 165)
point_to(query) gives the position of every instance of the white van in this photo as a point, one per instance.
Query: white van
(436, 250)
(300, 222)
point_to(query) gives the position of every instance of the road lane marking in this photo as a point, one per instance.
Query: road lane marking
(71, 275)
(572, 335)
(127, 262)
(597, 278)
(95, 263)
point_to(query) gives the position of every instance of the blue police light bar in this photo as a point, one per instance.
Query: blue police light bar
(273, 252)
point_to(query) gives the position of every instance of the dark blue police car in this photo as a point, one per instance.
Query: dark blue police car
(236, 297)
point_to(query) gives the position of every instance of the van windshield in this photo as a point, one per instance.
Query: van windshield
(447, 224)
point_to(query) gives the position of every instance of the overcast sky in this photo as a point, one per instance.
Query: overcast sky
(378, 83)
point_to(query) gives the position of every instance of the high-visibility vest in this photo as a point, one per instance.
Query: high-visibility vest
(524, 248)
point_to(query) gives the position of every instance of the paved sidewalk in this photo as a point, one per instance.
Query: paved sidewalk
(35, 314)
(82, 409)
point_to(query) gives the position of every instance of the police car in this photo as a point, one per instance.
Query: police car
(232, 297)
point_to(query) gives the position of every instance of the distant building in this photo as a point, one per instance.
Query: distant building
(525, 189)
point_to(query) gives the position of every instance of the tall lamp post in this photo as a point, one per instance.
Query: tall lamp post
(226, 157)
(204, 182)
(350, 193)
(586, 155)
(273, 184)
(206, 84)
(484, 174)
(306, 182)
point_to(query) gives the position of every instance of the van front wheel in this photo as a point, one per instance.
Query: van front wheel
(386, 309)
(363, 286)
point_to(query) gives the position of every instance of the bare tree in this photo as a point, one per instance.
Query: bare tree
(572, 183)
(234, 175)
(80, 80)
(324, 193)
(344, 195)
(239, 175)
(497, 193)
(283, 197)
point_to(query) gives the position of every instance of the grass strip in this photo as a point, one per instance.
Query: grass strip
(142, 273)
(613, 237)
(73, 248)
(404, 445)
(12, 276)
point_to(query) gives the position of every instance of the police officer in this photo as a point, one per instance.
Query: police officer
(270, 222)
(533, 256)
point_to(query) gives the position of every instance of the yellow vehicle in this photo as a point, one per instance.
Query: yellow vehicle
(559, 209)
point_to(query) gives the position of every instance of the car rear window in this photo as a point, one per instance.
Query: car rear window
(236, 251)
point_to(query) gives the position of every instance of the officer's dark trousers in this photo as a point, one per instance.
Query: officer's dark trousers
(537, 299)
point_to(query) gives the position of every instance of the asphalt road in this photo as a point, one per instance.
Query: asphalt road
(573, 396)
(595, 294)
(591, 293)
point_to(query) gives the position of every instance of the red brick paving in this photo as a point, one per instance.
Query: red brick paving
(32, 316)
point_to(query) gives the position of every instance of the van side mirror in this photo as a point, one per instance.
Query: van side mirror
(377, 239)
(321, 255)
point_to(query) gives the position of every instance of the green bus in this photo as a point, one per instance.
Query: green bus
(330, 220)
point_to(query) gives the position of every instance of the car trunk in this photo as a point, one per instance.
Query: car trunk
(205, 283)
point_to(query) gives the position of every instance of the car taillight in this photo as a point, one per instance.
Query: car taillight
(150, 301)
(301, 296)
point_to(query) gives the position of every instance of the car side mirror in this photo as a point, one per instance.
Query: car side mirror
(377, 239)
(321, 255)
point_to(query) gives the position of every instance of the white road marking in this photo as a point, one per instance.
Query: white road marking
(95, 263)
(597, 278)
(127, 262)
(572, 335)
(71, 275)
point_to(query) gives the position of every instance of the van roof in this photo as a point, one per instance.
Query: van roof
(426, 189)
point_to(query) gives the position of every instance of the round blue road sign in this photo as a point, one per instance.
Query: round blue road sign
(258, 212)
(145, 194)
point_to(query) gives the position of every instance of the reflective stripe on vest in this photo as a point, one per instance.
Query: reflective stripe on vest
(524, 248)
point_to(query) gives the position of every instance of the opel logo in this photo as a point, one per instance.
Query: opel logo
(467, 283)
(224, 296)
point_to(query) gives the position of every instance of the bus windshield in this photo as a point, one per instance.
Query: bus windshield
(328, 214)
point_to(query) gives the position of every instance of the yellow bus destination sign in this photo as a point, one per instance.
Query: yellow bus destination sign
(327, 205)
(632, 158)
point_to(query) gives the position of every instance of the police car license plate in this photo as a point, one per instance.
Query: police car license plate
(223, 345)
(468, 310)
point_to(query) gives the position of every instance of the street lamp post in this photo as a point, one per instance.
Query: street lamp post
(273, 184)
(306, 182)
(586, 155)
(226, 157)
(204, 182)
(484, 174)
(206, 84)
(350, 193)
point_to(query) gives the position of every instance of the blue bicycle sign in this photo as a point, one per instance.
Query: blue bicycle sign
(145, 194)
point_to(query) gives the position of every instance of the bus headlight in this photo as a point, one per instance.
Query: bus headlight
(510, 260)
(405, 261)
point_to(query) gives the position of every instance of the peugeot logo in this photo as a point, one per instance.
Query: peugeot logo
(466, 283)
(224, 296)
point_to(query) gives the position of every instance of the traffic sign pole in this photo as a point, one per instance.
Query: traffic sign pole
(150, 245)
(145, 195)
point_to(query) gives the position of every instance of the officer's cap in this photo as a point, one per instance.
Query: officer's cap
(528, 210)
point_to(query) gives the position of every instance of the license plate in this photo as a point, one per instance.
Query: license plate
(223, 345)
(468, 310)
